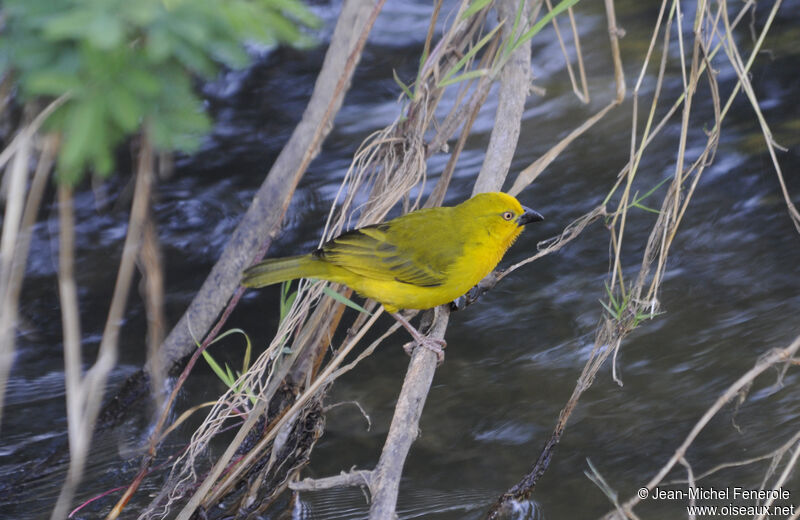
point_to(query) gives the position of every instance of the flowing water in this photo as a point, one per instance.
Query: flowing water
(731, 293)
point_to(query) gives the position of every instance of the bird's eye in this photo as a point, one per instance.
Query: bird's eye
(508, 215)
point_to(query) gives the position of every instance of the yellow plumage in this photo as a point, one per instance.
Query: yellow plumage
(417, 261)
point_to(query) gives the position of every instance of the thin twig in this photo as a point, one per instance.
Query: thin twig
(353, 478)
(771, 359)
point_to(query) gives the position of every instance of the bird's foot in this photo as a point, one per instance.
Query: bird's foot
(436, 346)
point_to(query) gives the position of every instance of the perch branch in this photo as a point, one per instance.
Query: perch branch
(385, 482)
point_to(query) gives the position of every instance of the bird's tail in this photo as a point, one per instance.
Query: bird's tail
(276, 270)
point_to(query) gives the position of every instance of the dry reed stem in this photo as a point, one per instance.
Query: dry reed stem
(611, 334)
(84, 393)
(741, 71)
(30, 130)
(525, 485)
(10, 294)
(12, 282)
(18, 173)
(771, 359)
(775, 455)
(472, 110)
(532, 172)
(404, 428)
(787, 470)
(221, 464)
(15, 239)
(152, 291)
(68, 294)
(352, 478)
(582, 92)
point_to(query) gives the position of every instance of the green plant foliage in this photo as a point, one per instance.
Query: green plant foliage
(226, 375)
(125, 64)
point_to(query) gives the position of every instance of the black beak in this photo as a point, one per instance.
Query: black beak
(529, 216)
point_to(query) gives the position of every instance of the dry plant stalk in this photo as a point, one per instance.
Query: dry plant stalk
(771, 359)
(672, 211)
(641, 301)
(20, 214)
(84, 393)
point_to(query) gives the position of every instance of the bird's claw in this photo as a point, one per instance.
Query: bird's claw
(435, 345)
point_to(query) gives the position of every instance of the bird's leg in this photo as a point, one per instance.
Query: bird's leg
(433, 344)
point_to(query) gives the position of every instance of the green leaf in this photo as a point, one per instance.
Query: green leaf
(558, 9)
(474, 7)
(608, 309)
(406, 90)
(227, 375)
(478, 46)
(143, 82)
(286, 301)
(80, 131)
(125, 109)
(231, 378)
(645, 208)
(296, 10)
(66, 25)
(125, 61)
(158, 44)
(105, 32)
(651, 190)
(215, 367)
(51, 82)
(462, 77)
(344, 300)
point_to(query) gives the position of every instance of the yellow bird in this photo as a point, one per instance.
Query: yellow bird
(425, 258)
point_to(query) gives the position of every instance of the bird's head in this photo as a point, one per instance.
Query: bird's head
(499, 214)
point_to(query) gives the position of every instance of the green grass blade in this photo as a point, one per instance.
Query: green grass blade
(478, 46)
(403, 86)
(286, 301)
(645, 208)
(467, 75)
(558, 9)
(517, 19)
(654, 188)
(215, 367)
(344, 300)
(247, 353)
(608, 309)
(474, 7)
(227, 377)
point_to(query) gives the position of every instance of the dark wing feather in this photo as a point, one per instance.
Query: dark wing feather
(386, 252)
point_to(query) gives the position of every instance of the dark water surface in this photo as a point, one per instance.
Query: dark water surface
(732, 289)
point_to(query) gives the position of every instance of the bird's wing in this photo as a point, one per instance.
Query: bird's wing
(380, 252)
